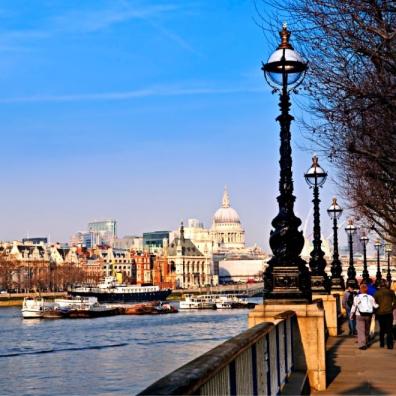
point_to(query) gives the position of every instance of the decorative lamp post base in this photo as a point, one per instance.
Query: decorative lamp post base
(319, 284)
(353, 283)
(288, 287)
(337, 284)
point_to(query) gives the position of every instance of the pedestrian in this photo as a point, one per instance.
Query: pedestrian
(371, 291)
(371, 287)
(394, 323)
(386, 300)
(347, 302)
(363, 309)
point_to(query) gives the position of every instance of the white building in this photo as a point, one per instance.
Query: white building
(241, 270)
(227, 232)
(193, 268)
(225, 238)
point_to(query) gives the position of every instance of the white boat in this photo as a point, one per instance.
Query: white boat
(34, 307)
(223, 305)
(197, 302)
(234, 300)
(83, 303)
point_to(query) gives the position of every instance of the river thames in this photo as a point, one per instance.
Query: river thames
(105, 356)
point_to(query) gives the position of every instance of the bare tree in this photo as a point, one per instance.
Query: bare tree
(351, 94)
(7, 270)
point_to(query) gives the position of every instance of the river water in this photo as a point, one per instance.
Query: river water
(116, 355)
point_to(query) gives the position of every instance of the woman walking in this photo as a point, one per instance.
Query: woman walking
(363, 309)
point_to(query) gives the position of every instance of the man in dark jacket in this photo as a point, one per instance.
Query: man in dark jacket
(386, 300)
(347, 302)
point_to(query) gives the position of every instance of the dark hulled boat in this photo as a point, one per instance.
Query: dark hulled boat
(110, 292)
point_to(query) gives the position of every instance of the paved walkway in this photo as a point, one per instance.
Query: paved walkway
(351, 371)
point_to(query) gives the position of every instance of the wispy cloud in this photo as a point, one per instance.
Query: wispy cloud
(91, 20)
(88, 21)
(129, 95)
(181, 42)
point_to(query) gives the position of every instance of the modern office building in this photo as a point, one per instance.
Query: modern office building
(130, 242)
(153, 241)
(103, 232)
(82, 238)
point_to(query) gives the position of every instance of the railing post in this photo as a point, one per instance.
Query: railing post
(289, 344)
(274, 369)
(262, 366)
(243, 373)
(268, 363)
(254, 369)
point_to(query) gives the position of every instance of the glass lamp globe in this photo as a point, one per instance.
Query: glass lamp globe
(364, 239)
(377, 244)
(285, 65)
(350, 228)
(315, 176)
(334, 210)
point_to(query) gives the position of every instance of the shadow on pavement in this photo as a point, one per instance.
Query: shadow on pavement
(364, 389)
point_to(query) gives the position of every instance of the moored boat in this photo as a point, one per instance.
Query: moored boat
(197, 302)
(111, 292)
(233, 301)
(153, 308)
(84, 307)
(34, 307)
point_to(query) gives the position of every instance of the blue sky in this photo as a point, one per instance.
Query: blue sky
(140, 111)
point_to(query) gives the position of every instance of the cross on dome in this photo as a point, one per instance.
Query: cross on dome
(226, 198)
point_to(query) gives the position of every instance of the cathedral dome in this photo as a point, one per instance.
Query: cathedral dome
(226, 214)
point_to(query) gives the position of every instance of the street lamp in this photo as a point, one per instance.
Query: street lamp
(337, 281)
(388, 249)
(351, 230)
(315, 178)
(378, 275)
(365, 274)
(287, 277)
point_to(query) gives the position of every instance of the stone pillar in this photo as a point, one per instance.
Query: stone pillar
(343, 311)
(311, 323)
(332, 308)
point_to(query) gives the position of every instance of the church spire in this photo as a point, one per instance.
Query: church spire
(226, 198)
(182, 231)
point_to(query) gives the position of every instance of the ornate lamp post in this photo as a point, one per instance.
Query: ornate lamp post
(351, 230)
(365, 274)
(315, 178)
(337, 281)
(388, 249)
(378, 275)
(287, 277)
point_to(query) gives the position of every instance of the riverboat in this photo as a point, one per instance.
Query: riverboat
(35, 307)
(111, 292)
(225, 301)
(82, 307)
(197, 302)
(151, 308)
(232, 301)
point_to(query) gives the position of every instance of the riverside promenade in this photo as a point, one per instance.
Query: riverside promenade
(351, 371)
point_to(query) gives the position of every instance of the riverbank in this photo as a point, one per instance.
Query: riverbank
(16, 299)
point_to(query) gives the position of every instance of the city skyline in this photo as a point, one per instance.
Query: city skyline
(142, 112)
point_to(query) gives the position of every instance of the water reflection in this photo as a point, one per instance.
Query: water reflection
(30, 322)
